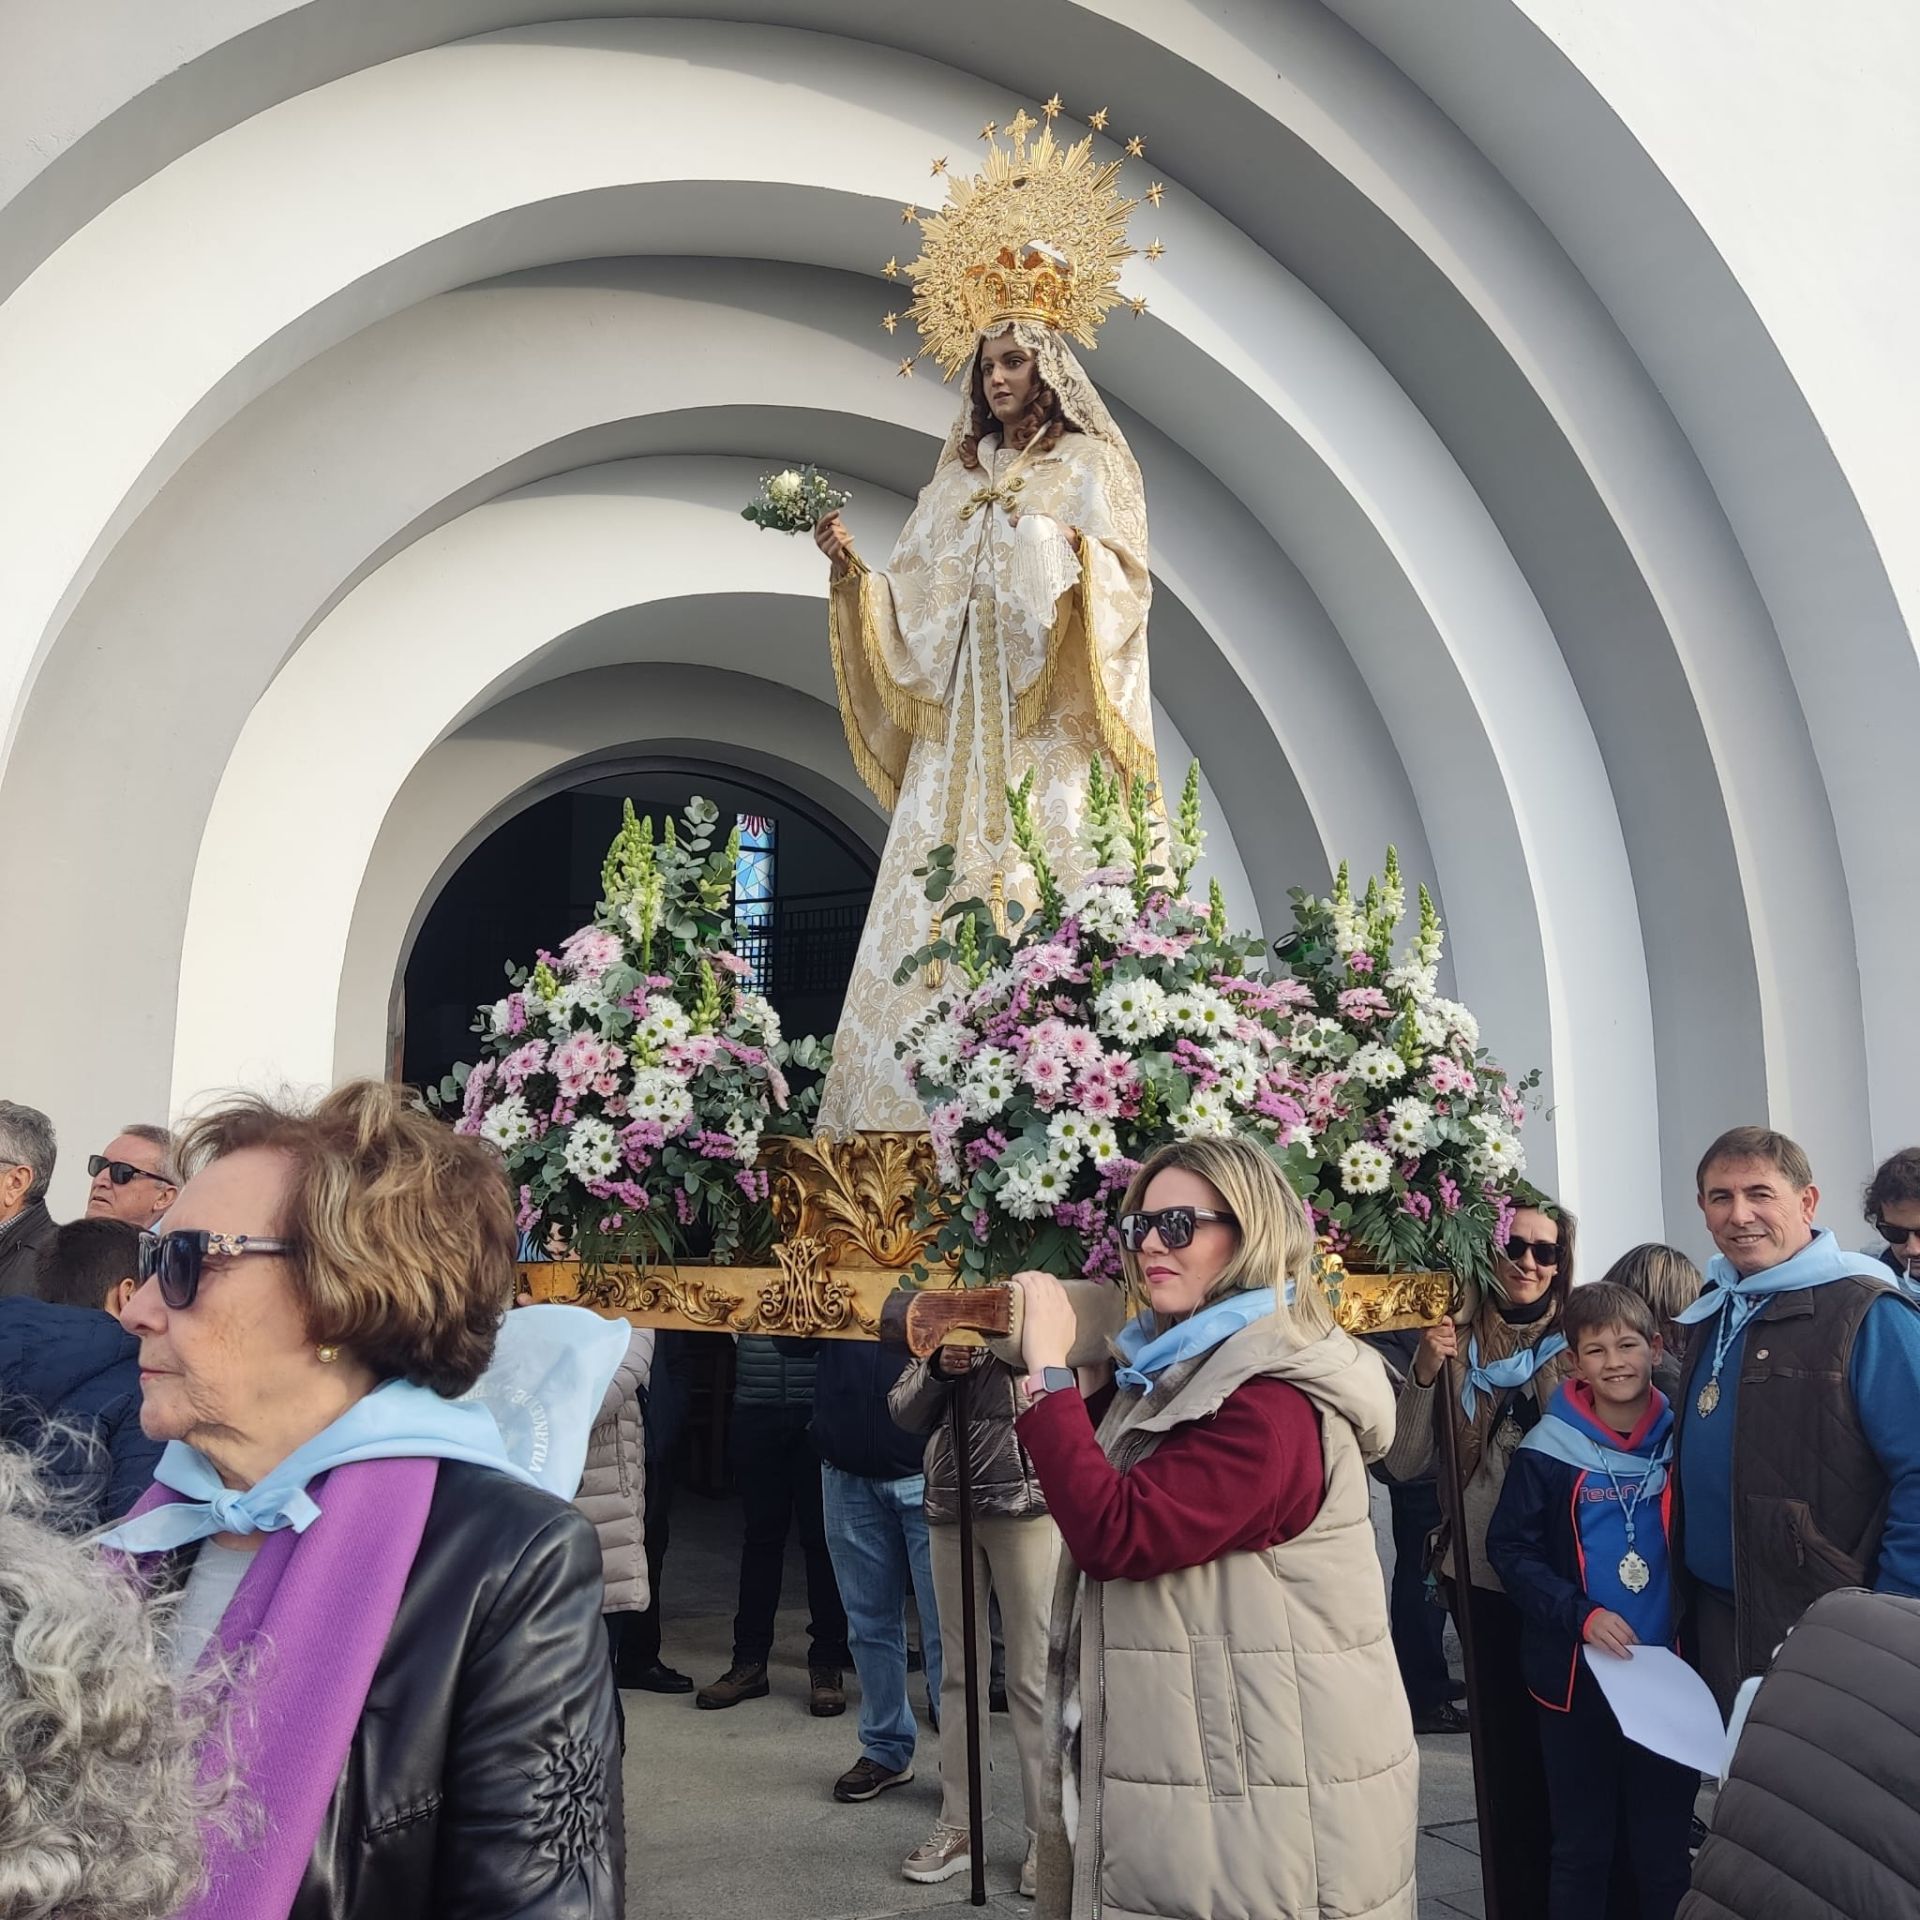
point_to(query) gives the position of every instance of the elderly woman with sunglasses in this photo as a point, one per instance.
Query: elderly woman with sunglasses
(1227, 1729)
(430, 1718)
(1493, 1378)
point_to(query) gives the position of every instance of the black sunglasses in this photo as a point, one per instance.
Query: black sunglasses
(177, 1259)
(120, 1171)
(1546, 1253)
(1175, 1225)
(1893, 1235)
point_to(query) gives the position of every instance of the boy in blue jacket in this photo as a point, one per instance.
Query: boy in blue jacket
(1580, 1541)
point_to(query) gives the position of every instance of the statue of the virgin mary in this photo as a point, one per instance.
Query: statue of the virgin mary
(1008, 633)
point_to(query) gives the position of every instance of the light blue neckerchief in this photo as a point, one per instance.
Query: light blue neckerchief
(1149, 1354)
(1821, 1260)
(1500, 1376)
(1561, 1440)
(550, 1371)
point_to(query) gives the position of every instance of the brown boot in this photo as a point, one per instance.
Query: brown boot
(739, 1682)
(829, 1697)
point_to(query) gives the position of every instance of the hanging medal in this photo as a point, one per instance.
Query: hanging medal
(1633, 1571)
(1732, 1319)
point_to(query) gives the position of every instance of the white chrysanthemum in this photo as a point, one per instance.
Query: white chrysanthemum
(1460, 1022)
(1319, 1039)
(666, 1021)
(1051, 1182)
(1240, 1084)
(1410, 1125)
(1020, 1197)
(508, 1124)
(1430, 1027)
(1106, 911)
(1205, 1113)
(592, 1151)
(1497, 1155)
(938, 1049)
(1131, 1009)
(497, 1017)
(1202, 1012)
(1365, 1169)
(658, 1094)
(1067, 1134)
(1102, 1142)
(1376, 1066)
(988, 1083)
(745, 1135)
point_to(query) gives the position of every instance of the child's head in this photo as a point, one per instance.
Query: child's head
(1613, 1339)
(1665, 1279)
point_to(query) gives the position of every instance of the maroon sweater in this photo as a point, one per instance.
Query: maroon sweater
(1250, 1477)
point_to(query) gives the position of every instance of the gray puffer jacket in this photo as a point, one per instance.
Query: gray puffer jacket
(1005, 1486)
(613, 1487)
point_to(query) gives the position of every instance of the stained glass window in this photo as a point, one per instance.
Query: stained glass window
(753, 897)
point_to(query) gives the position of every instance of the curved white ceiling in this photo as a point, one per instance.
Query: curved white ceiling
(1440, 559)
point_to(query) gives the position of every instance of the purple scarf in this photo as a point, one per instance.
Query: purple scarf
(315, 1609)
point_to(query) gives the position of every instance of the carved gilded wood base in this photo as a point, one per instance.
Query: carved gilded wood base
(844, 1214)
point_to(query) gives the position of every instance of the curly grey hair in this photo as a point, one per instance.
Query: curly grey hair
(104, 1797)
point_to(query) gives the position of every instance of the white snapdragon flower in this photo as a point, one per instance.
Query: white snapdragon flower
(508, 1124)
(1376, 1066)
(1365, 1169)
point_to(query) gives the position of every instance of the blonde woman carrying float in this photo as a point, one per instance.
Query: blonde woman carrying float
(1227, 1728)
(1008, 635)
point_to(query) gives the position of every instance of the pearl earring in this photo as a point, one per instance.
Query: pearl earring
(328, 1355)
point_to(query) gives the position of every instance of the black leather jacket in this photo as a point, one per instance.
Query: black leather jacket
(484, 1777)
(1005, 1486)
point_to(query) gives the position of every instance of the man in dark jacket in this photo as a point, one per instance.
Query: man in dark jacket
(70, 1382)
(873, 1491)
(27, 1152)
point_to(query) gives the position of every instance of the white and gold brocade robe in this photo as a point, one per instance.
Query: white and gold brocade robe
(987, 649)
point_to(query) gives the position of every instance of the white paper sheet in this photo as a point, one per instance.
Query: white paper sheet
(1664, 1705)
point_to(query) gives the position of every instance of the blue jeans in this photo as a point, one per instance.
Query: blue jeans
(877, 1534)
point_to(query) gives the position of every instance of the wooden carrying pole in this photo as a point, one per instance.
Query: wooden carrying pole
(959, 1411)
(1456, 1501)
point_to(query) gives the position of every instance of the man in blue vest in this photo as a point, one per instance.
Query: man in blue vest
(1798, 1447)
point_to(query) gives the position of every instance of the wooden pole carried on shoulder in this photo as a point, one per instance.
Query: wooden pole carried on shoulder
(1455, 1497)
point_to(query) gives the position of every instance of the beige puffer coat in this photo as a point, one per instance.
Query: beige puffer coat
(613, 1488)
(1232, 1741)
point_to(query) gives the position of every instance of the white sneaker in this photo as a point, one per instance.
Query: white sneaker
(1030, 1871)
(943, 1853)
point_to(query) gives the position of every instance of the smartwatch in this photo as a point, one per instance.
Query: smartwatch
(1050, 1380)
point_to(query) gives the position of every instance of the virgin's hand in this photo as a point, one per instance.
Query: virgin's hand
(1438, 1345)
(833, 539)
(1047, 1324)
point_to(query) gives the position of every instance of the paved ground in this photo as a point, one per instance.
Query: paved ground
(733, 1812)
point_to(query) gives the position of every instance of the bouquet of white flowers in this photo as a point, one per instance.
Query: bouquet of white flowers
(794, 501)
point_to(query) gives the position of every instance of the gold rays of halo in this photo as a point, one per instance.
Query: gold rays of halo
(1031, 192)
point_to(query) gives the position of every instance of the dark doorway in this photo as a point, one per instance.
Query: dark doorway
(804, 885)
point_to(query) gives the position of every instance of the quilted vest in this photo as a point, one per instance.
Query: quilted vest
(1245, 1748)
(1809, 1497)
(1820, 1816)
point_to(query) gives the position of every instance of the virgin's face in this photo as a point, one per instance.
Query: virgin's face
(1008, 374)
(1178, 1277)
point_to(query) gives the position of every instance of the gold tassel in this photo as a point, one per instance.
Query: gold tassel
(935, 970)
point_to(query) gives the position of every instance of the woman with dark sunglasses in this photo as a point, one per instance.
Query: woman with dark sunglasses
(414, 1615)
(1493, 1378)
(1227, 1729)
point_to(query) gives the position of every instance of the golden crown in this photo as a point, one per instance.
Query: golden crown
(1039, 235)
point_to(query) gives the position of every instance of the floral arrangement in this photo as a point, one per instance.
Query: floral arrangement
(1123, 1015)
(1412, 1154)
(1116, 1017)
(628, 1078)
(793, 501)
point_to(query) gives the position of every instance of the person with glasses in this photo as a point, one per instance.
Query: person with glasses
(133, 1180)
(1227, 1732)
(1798, 1454)
(27, 1155)
(418, 1616)
(1892, 1204)
(1493, 1378)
